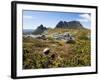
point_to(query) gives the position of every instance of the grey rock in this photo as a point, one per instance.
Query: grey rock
(41, 37)
(70, 40)
(66, 37)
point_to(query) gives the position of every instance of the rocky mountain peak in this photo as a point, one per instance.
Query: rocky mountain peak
(70, 24)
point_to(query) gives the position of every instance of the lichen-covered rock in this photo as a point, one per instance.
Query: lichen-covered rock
(41, 37)
(70, 40)
(67, 37)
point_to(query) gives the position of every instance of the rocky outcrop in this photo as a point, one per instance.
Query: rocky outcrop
(69, 25)
(67, 37)
(40, 29)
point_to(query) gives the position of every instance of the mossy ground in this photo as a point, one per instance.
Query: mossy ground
(76, 54)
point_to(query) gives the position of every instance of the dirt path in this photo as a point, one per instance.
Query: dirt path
(66, 48)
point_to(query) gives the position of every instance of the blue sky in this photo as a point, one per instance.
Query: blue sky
(32, 19)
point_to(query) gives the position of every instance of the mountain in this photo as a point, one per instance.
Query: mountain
(61, 24)
(69, 25)
(40, 29)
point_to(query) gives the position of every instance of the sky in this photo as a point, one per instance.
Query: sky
(33, 19)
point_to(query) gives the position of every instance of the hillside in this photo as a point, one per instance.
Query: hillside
(62, 54)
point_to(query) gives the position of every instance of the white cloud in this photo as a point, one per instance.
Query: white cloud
(27, 17)
(82, 20)
(85, 17)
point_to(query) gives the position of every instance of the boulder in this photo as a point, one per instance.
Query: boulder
(46, 51)
(41, 37)
(70, 40)
(66, 34)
